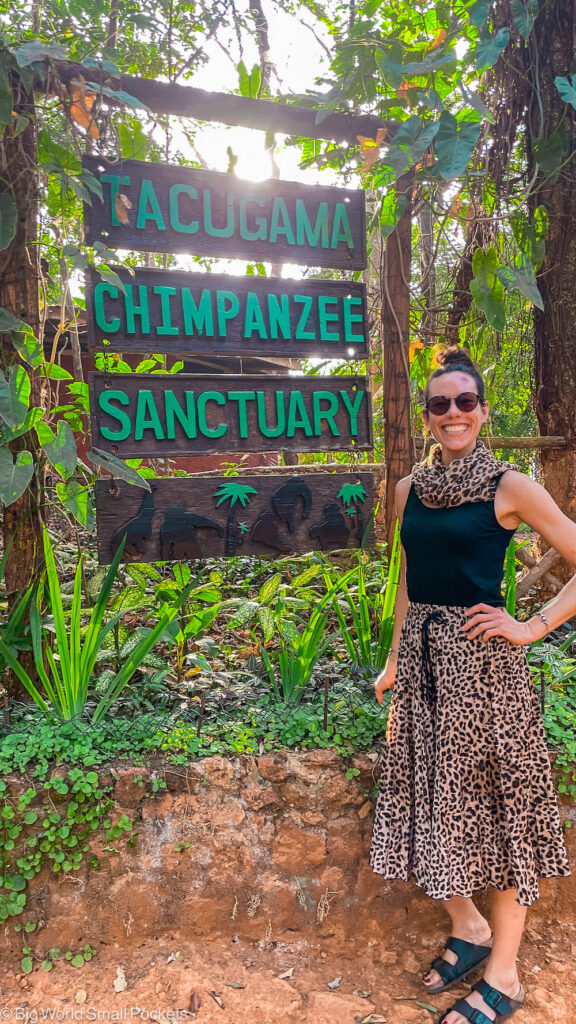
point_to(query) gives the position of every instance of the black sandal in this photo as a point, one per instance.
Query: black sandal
(505, 1006)
(470, 956)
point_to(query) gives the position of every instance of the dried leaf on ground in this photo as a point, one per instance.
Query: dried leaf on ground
(361, 993)
(120, 983)
(81, 996)
(234, 984)
(216, 999)
(287, 974)
(335, 983)
(427, 1006)
(195, 1001)
(374, 1018)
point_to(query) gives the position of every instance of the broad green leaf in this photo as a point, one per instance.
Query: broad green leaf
(270, 588)
(60, 448)
(111, 277)
(55, 372)
(426, 66)
(389, 62)
(8, 220)
(410, 142)
(567, 88)
(393, 206)
(523, 278)
(30, 53)
(117, 468)
(478, 12)
(266, 622)
(78, 500)
(248, 81)
(487, 289)
(14, 396)
(133, 141)
(454, 145)
(524, 14)
(14, 476)
(28, 347)
(489, 48)
(551, 152)
(6, 106)
(32, 418)
(474, 100)
(9, 322)
(530, 236)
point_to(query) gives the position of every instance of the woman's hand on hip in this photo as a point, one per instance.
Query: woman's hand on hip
(484, 622)
(385, 680)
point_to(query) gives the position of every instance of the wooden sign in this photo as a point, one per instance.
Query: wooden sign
(165, 208)
(215, 314)
(211, 517)
(159, 415)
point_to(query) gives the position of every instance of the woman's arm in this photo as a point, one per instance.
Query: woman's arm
(385, 680)
(520, 499)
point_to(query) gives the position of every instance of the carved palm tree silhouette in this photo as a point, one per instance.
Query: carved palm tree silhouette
(353, 495)
(234, 493)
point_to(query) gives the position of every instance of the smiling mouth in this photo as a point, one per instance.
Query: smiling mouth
(456, 428)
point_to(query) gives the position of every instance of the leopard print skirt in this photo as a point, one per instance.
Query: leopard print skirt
(466, 795)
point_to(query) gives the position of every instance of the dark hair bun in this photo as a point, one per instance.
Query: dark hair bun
(456, 356)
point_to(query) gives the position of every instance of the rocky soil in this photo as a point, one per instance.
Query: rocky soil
(268, 982)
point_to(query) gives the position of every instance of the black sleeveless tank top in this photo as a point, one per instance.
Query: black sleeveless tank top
(454, 556)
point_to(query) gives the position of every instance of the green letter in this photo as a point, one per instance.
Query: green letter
(164, 291)
(260, 222)
(175, 191)
(304, 227)
(301, 334)
(104, 403)
(242, 397)
(280, 222)
(146, 405)
(279, 315)
(203, 398)
(341, 228)
(254, 320)
(325, 414)
(280, 415)
(198, 317)
(174, 411)
(133, 311)
(223, 313)
(298, 415)
(228, 230)
(103, 324)
(115, 181)
(352, 318)
(326, 318)
(148, 196)
(353, 408)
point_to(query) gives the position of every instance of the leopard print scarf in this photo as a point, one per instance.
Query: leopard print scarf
(473, 478)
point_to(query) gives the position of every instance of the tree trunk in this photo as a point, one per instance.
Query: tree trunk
(19, 276)
(555, 327)
(395, 293)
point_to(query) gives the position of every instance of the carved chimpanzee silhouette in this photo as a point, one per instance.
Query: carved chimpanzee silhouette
(333, 531)
(265, 531)
(178, 533)
(285, 498)
(138, 530)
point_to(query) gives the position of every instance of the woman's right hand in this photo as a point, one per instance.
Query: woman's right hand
(385, 680)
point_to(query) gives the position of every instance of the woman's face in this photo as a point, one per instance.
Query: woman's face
(455, 430)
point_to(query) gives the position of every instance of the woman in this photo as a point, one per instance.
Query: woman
(466, 798)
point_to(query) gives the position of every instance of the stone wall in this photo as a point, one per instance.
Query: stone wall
(277, 848)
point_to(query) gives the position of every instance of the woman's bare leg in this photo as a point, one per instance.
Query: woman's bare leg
(508, 919)
(468, 924)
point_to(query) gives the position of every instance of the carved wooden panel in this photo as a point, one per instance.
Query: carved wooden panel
(217, 314)
(159, 415)
(165, 208)
(195, 517)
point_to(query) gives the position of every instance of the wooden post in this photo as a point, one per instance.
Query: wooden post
(395, 296)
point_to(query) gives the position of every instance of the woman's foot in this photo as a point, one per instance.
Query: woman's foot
(479, 933)
(507, 984)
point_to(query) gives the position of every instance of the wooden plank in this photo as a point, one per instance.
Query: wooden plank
(190, 517)
(180, 209)
(538, 570)
(160, 415)
(263, 115)
(506, 443)
(176, 311)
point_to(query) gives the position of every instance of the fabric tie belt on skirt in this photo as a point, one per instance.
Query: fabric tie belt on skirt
(428, 688)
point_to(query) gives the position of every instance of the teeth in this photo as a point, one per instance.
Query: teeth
(456, 429)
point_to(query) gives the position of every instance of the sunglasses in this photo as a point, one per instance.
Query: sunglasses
(465, 402)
